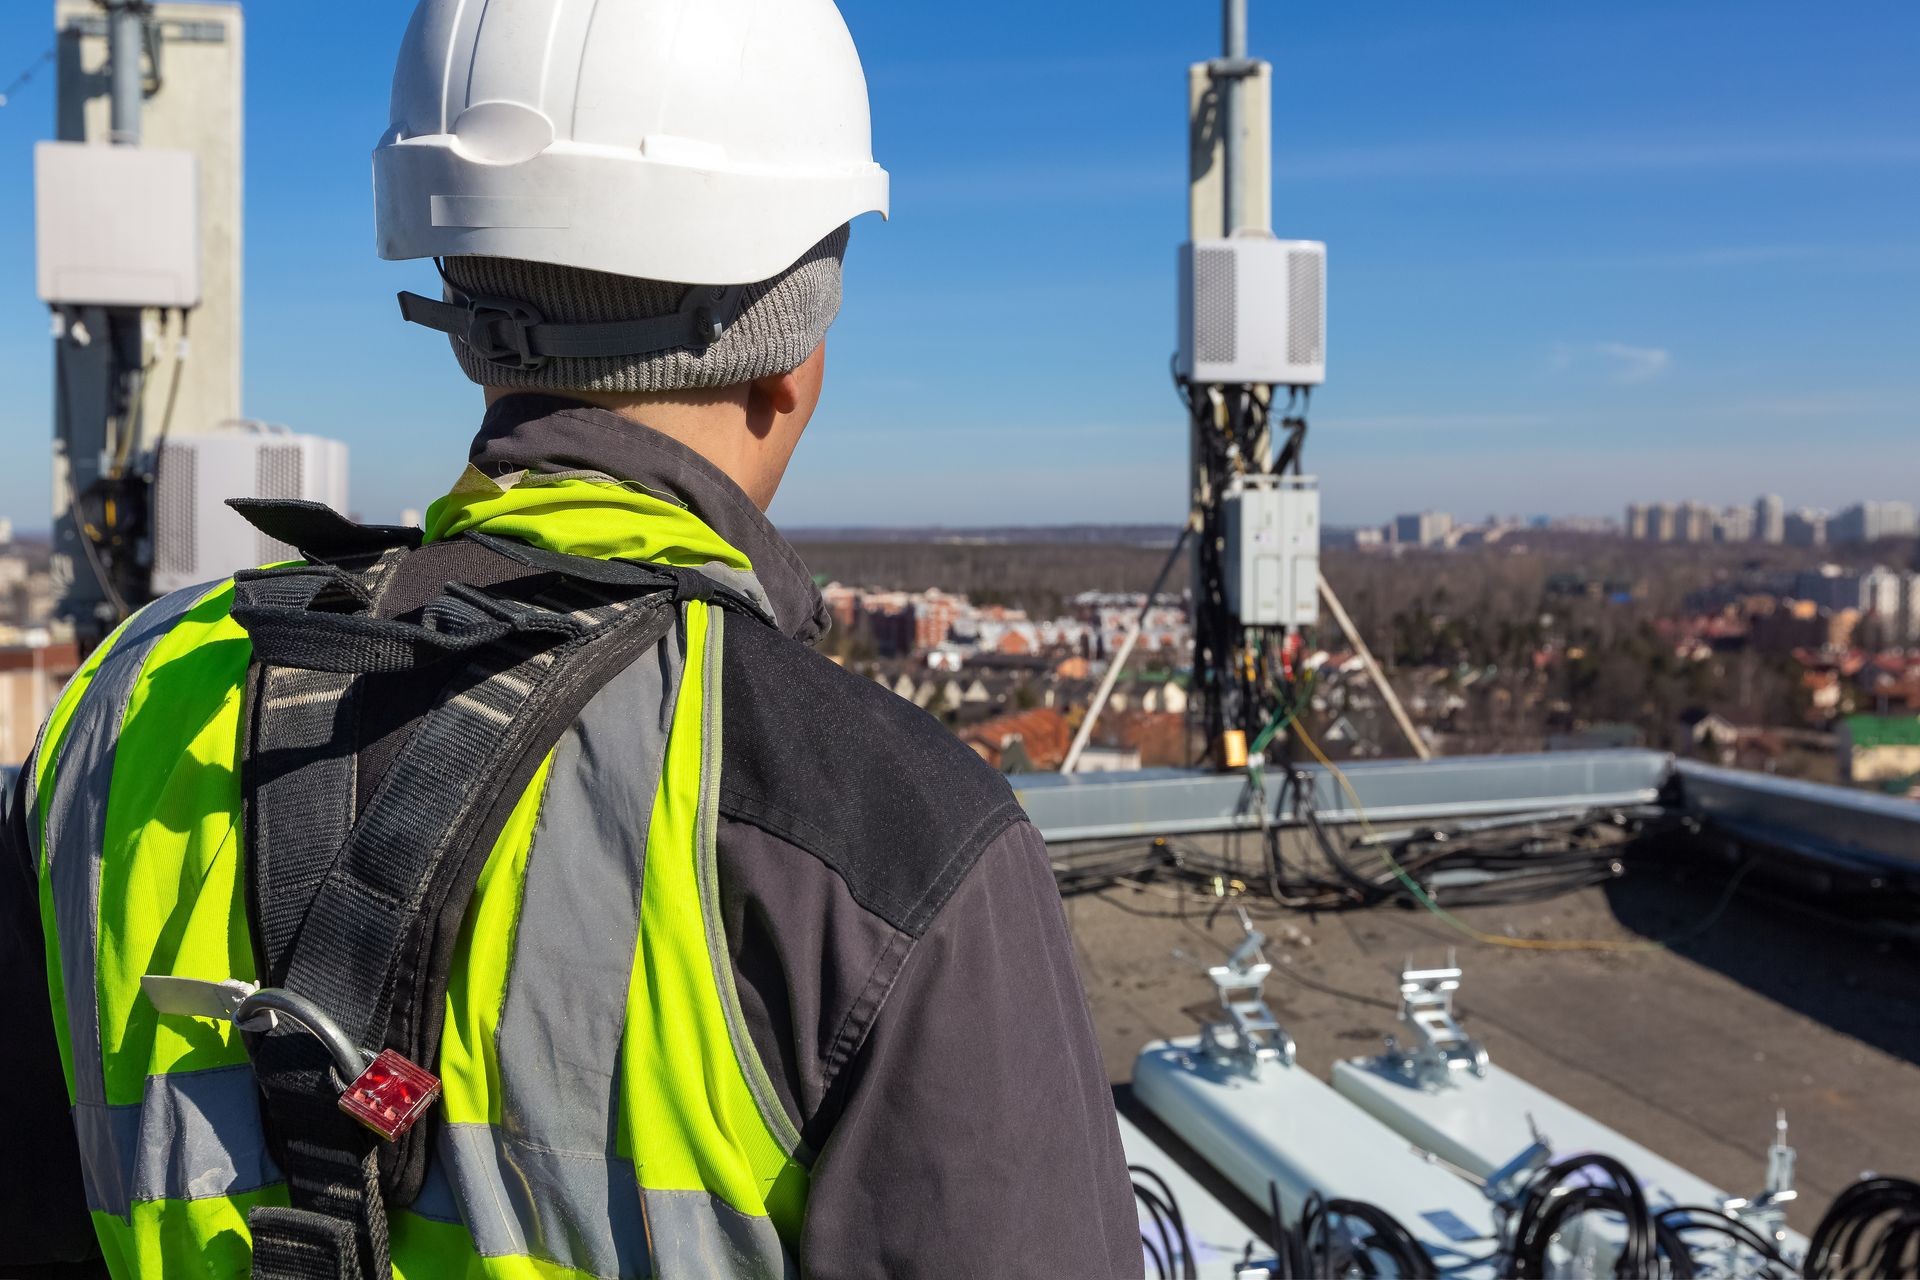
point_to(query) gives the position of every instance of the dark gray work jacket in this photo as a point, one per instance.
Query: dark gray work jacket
(899, 948)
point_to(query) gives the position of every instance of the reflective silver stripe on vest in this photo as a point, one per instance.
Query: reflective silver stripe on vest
(194, 1136)
(696, 1235)
(76, 832)
(556, 1180)
(707, 836)
(506, 1193)
(519, 1199)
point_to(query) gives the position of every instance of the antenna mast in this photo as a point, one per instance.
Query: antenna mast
(1252, 347)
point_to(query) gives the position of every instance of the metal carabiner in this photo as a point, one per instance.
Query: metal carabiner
(348, 1058)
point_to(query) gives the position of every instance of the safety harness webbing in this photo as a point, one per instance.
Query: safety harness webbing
(357, 917)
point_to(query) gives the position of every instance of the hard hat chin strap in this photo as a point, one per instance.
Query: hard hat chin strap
(516, 336)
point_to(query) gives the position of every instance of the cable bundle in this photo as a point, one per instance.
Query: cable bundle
(1242, 677)
(1170, 1247)
(1547, 858)
(1529, 863)
(1342, 1238)
(1872, 1230)
(1682, 1220)
(1564, 1191)
(1326, 1252)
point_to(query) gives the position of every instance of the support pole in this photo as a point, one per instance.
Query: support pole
(1374, 673)
(1234, 21)
(1080, 740)
(1114, 668)
(126, 45)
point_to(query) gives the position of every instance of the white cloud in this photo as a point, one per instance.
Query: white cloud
(1623, 361)
(1635, 364)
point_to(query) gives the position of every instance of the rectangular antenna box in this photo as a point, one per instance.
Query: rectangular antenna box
(1253, 311)
(118, 226)
(1272, 562)
(197, 537)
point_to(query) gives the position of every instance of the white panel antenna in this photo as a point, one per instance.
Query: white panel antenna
(118, 226)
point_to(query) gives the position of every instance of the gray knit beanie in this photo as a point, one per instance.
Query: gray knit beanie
(781, 322)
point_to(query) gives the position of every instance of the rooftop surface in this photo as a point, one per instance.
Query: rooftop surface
(1727, 1008)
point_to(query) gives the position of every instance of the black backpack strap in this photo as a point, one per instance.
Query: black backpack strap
(356, 919)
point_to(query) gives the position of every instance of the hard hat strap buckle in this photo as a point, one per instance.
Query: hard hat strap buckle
(498, 331)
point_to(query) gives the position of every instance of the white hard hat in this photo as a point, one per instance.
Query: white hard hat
(707, 142)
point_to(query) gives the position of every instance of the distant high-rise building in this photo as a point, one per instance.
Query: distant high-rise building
(1770, 519)
(1888, 598)
(1638, 526)
(1883, 594)
(1872, 521)
(1426, 529)
(1583, 524)
(1806, 528)
(1696, 522)
(1735, 524)
(1663, 522)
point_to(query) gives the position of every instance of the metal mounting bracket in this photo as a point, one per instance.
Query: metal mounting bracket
(1250, 1035)
(1767, 1212)
(1437, 1050)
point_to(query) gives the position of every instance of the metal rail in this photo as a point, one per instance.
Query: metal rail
(1186, 802)
(1855, 827)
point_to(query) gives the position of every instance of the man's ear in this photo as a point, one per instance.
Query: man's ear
(779, 392)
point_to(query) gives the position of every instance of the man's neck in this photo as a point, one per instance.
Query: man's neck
(711, 423)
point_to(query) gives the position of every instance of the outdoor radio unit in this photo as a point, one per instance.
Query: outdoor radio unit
(197, 536)
(1253, 312)
(1271, 527)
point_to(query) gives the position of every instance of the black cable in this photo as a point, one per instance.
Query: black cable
(1532, 864)
(1384, 1235)
(1155, 1256)
(25, 78)
(1674, 1248)
(88, 547)
(1685, 1218)
(1169, 1222)
(1552, 1198)
(1872, 1229)
(1289, 1256)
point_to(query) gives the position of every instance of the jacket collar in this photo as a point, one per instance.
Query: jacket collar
(551, 434)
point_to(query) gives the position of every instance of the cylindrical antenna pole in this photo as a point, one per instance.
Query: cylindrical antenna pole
(126, 46)
(1234, 20)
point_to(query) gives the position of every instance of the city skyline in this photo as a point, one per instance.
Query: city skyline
(1769, 519)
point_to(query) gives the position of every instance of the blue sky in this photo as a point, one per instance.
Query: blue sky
(1580, 254)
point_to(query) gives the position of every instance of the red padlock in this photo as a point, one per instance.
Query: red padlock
(391, 1095)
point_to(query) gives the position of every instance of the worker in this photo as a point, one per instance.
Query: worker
(524, 896)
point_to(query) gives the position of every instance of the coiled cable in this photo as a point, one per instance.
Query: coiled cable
(1872, 1230)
